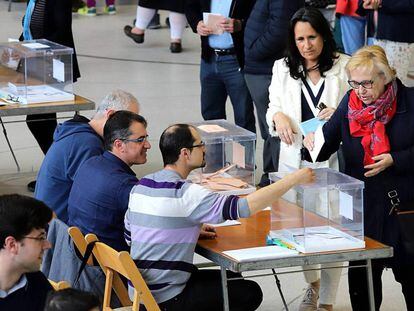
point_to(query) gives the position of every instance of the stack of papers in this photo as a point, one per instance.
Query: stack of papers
(264, 252)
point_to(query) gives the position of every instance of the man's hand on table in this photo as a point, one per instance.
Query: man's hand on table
(207, 232)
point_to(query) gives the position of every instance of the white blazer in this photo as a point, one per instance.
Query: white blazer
(285, 96)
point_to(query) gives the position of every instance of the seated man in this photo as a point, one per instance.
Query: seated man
(75, 141)
(23, 240)
(100, 192)
(163, 223)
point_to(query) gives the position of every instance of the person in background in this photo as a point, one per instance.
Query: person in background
(90, 8)
(222, 59)
(374, 124)
(352, 25)
(312, 73)
(146, 10)
(70, 299)
(51, 20)
(264, 42)
(23, 223)
(388, 24)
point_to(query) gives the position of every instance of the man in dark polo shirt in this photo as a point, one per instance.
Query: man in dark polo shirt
(100, 192)
(23, 222)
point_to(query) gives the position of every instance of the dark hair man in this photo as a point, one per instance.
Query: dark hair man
(23, 222)
(100, 192)
(166, 213)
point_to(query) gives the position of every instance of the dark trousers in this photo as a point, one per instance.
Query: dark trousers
(203, 292)
(358, 288)
(258, 86)
(221, 77)
(42, 130)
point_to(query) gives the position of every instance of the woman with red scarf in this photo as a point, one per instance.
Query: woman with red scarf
(375, 123)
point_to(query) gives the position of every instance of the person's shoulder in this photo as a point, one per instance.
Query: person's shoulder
(38, 281)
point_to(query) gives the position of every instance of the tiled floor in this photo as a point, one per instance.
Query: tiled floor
(167, 86)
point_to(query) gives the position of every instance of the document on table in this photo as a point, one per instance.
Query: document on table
(318, 143)
(212, 20)
(227, 223)
(263, 252)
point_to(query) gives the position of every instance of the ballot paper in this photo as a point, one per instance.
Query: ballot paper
(310, 125)
(211, 128)
(318, 143)
(263, 252)
(212, 21)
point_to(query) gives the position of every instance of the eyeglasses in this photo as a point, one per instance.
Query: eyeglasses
(136, 140)
(366, 84)
(201, 144)
(14, 99)
(41, 238)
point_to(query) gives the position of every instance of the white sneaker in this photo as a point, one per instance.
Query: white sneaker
(310, 299)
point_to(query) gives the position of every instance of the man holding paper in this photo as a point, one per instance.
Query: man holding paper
(221, 23)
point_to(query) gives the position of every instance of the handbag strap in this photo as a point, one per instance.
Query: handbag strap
(88, 253)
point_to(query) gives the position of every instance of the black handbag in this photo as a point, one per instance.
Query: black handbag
(319, 4)
(405, 218)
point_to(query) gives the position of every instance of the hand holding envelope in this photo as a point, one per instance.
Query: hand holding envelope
(213, 22)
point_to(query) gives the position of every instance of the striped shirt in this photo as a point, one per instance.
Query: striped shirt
(163, 223)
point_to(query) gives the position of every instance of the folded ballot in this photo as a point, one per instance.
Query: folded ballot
(263, 252)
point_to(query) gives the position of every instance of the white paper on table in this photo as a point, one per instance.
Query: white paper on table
(239, 154)
(263, 252)
(58, 70)
(211, 128)
(318, 143)
(226, 223)
(12, 40)
(212, 21)
(346, 205)
(35, 45)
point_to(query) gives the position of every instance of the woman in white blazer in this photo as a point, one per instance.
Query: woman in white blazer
(309, 82)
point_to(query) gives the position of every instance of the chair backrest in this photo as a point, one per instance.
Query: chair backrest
(59, 285)
(81, 244)
(115, 263)
(79, 240)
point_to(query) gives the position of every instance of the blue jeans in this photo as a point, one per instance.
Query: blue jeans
(221, 77)
(353, 33)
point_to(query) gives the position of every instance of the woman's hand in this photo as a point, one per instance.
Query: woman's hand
(326, 113)
(309, 141)
(203, 30)
(283, 128)
(382, 162)
(305, 175)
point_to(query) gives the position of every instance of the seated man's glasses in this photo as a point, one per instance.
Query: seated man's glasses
(136, 140)
(41, 238)
(201, 144)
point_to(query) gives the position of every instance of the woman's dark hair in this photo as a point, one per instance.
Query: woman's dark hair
(20, 214)
(293, 59)
(71, 299)
(173, 139)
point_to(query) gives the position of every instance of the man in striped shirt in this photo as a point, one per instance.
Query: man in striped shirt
(163, 223)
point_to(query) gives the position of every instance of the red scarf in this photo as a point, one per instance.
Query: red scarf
(369, 122)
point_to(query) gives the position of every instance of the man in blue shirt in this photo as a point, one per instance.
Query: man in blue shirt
(99, 196)
(74, 142)
(222, 59)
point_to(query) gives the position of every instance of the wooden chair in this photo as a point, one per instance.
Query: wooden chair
(59, 285)
(120, 263)
(81, 244)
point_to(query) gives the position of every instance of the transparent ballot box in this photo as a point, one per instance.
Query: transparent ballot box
(229, 158)
(36, 71)
(326, 215)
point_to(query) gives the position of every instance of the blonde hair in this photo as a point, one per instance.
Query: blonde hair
(371, 57)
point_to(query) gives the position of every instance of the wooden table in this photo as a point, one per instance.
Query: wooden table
(252, 233)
